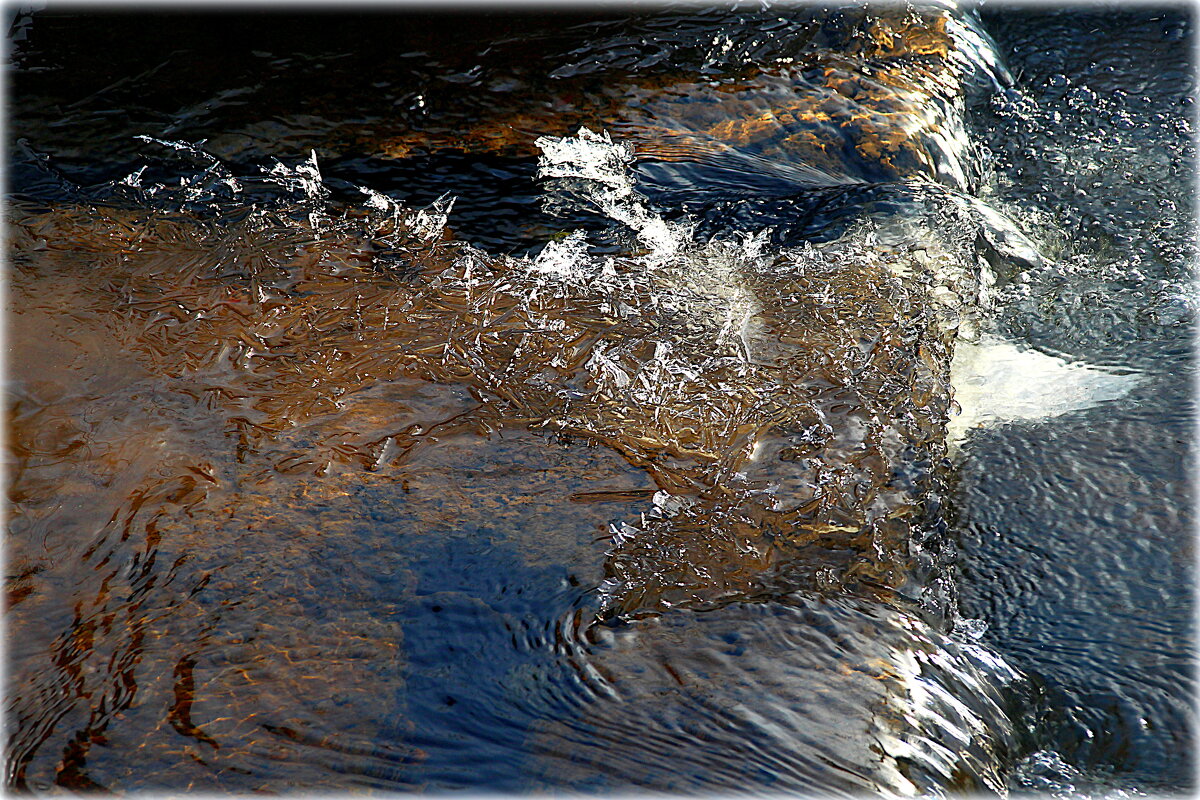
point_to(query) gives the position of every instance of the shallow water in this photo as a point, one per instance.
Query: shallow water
(628, 469)
(1078, 533)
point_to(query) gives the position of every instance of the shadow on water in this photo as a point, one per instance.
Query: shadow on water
(625, 471)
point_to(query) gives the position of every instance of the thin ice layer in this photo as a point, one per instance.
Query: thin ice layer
(784, 409)
(795, 397)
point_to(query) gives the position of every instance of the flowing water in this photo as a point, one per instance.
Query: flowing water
(789, 399)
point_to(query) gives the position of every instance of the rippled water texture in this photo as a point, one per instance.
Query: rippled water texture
(1078, 534)
(541, 402)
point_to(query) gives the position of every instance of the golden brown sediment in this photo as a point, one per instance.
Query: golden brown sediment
(886, 106)
(220, 429)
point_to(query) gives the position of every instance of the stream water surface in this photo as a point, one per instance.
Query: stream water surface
(777, 399)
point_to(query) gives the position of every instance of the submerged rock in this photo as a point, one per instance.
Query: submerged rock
(263, 446)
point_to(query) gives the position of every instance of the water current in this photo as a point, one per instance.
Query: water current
(715, 399)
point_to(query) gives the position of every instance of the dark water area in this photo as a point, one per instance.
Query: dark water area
(370, 427)
(1079, 534)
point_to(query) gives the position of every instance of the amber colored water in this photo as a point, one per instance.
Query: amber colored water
(312, 489)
